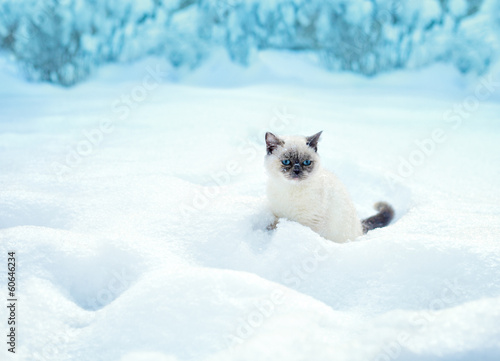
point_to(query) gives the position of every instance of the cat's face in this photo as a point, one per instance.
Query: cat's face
(293, 158)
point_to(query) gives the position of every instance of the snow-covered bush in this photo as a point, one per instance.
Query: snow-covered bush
(359, 35)
(61, 41)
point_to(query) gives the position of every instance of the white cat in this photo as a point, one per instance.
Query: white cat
(299, 189)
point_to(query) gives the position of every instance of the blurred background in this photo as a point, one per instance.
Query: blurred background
(64, 41)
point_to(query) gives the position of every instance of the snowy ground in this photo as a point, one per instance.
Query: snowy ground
(135, 205)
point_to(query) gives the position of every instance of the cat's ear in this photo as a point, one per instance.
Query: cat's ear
(312, 141)
(272, 142)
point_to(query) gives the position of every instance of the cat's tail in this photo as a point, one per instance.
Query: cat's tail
(381, 219)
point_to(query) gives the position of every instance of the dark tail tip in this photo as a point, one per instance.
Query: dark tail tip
(381, 219)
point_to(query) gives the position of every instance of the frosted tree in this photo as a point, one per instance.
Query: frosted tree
(61, 41)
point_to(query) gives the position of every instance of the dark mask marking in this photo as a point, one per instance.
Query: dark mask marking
(296, 169)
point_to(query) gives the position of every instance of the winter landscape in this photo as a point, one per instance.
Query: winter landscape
(132, 184)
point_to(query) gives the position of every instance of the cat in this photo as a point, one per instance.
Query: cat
(299, 189)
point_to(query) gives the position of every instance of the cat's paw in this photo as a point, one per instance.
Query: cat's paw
(273, 225)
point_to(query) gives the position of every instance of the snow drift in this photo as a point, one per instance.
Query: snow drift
(135, 206)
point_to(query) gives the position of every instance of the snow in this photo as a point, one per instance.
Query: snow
(458, 7)
(135, 205)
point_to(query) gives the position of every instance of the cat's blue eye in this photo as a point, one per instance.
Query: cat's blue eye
(286, 162)
(306, 162)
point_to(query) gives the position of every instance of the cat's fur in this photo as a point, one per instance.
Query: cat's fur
(311, 195)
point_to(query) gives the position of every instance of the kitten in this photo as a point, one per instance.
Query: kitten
(300, 190)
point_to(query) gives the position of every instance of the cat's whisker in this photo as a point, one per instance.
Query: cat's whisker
(300, 190)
